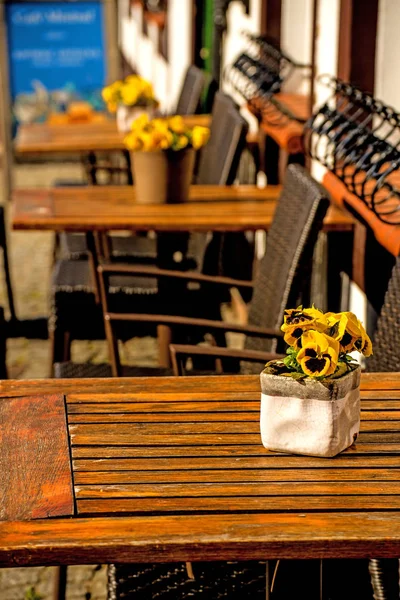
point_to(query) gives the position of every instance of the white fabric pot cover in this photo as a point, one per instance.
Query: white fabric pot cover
(323, 425)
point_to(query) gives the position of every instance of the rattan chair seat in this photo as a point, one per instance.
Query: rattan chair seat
(141, 249)
(212, 581)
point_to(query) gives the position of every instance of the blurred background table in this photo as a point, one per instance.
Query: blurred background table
(102, 208)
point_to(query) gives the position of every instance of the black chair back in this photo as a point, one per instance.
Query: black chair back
(220, 158)
(192, 88)
(284, 273)
(386, 342)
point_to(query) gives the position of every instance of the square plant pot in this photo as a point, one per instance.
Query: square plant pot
(308, 416)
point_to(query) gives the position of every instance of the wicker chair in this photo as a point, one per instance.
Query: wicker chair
(74, 313)
(284, 272)
(386, 357)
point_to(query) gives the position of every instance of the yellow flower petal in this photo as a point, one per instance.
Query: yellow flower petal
(140, 122)
(200, 136)
(176, 124)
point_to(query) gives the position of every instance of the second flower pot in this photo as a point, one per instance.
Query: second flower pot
(162, 176)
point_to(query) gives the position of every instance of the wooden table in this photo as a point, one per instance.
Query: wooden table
(101, 208)
(172, 469)
(42, 138)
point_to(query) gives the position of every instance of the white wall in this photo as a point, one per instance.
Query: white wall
(238, 21)
(326, 57)
(234, 43)
(179, 45)
(296, 42)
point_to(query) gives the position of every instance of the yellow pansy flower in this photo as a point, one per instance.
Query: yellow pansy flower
(364, 344)
(132, 142)
(181, 142)
(160, 125)
(200, 136)
(319, 354)
(299, 320)
(146, 90)
(107, 94)
(129, 95)
(167, 140)
(345, 329)
(176, 124)
(148, 140)
(140, 123)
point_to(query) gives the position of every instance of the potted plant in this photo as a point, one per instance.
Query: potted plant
(162, 156)
(310, 400)
(129, 98)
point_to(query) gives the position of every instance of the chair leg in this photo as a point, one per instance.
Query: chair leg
(67, 346)
(60, 342)
(164, 337)
(60, 588)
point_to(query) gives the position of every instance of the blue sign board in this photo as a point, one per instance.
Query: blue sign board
(59, 44)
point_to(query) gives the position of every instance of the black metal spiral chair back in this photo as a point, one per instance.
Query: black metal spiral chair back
(358, 138)
(260, 69)
(192, 89)
(284, 272)
(258, 74)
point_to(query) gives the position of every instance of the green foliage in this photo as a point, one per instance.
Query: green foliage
(291, 360)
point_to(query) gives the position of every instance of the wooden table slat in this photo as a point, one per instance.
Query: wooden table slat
(239, 503)
(229, 461)
(155, 408)
(212, 388)
(163, 417)
(215, 490)
(134, 430)
(236, 475)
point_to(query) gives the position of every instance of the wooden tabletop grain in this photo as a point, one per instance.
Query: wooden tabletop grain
(172, 469)
(39, 138)
(210, 208)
